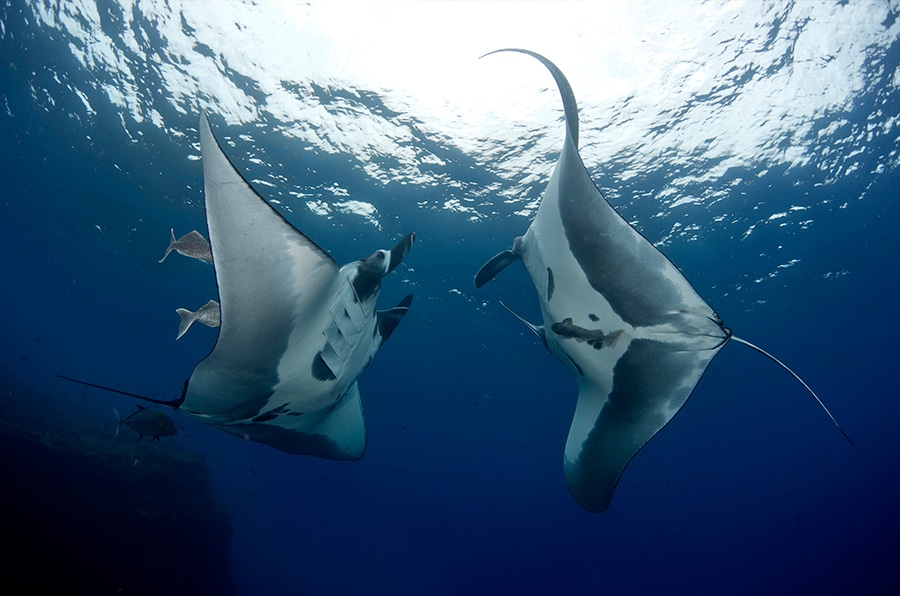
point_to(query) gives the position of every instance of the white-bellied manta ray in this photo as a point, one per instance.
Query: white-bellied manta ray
(617, 313)
(296, 329)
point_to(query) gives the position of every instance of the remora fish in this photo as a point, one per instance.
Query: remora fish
(192, 244)
(208, 314)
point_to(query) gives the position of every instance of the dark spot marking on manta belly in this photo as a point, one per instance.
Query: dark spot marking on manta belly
(265, 417)
(550, 284)
(593, 317)
(320, 369)
(272, 414)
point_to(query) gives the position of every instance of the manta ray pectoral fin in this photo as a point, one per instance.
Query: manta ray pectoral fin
(346, 426)
(570, 106)
(495, 265)
(341, 434)
(389, 319)
(267, 272)
(536, 329)
(620, 409)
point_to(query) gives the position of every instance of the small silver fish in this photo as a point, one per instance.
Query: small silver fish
(147, 423)
(192, 244)
(208, 314)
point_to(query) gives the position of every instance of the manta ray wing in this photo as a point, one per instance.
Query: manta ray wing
(616, 311)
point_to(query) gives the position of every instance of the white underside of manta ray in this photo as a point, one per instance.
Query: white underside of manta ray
(616, 312)
(296, 330)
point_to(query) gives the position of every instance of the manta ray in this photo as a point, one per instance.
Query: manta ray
(617, 313)
(296, 330)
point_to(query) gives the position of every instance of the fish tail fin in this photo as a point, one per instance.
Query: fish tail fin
(187, 319)
(609, 340)
(796, 376)
(118, 421)
(171, 245)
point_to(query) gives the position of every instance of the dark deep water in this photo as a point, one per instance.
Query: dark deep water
(749, 490)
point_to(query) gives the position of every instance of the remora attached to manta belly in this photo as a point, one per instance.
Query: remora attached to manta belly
(295, 329)
(616, 312)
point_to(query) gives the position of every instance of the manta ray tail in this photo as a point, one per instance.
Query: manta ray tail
(172, 403)
(796, 376)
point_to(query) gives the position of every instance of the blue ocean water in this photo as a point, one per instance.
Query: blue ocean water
(749, 489)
